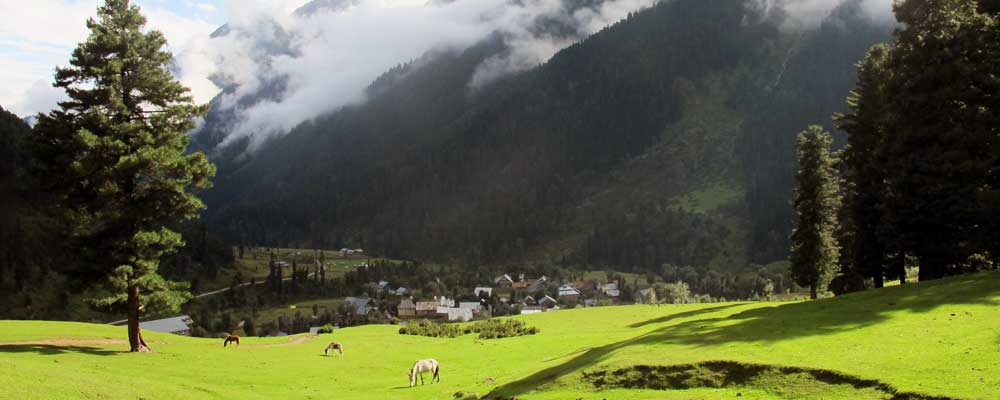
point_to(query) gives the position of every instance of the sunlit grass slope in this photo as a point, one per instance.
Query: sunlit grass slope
(938, 338)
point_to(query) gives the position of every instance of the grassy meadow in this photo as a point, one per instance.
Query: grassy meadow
(938, 338)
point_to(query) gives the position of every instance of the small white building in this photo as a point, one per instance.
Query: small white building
(444, 301)
(481, 289)
(471, 305)
(460, 314)
(568, 290)
(611, 289)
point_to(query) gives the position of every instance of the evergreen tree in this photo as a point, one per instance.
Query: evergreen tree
(941, 147)
(863, 251)
(114, 154)
(814, 250)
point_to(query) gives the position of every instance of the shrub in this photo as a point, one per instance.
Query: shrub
(326, 329)
(488, 329)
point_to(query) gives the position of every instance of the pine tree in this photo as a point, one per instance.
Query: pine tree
(863, 249)
(114, 155)
(941, 147)
(814, 250)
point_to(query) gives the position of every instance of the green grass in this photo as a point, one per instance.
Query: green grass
(938, 338)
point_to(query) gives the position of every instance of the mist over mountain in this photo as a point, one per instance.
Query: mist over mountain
(666, 138)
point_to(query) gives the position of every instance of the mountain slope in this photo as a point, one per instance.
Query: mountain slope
(666, 138)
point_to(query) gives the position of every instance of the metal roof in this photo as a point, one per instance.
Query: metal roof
(168, 325)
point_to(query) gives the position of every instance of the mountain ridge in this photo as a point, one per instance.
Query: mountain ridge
(499, 175)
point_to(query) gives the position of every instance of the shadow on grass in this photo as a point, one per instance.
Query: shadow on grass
(686, 314)
(784, 322)
(51, 350)
(722, 374)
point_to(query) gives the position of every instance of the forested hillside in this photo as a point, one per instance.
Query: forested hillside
(665, 138)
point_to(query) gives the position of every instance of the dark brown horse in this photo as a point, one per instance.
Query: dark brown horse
(231, 338)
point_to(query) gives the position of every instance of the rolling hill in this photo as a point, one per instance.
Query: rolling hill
(932, 340)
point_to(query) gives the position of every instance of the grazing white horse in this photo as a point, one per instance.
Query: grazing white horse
(421, 366)
(334, 346)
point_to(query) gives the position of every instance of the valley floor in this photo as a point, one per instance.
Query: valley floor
(938, 338)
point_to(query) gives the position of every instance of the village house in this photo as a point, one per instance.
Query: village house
(569, 292)
(472, 305)
(460, 314)
(586, 288)
(180, 325)
(445, 301)
(611, 289)
(537, 285)
(360, 305)
(407, 308)
(426, 308)
(520, 284)
(481, 289)
(503, 281)
(529, 301)
(547, 301)
(532, 309)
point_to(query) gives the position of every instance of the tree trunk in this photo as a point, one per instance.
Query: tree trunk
(930, 268)
(901, 267)
(812, 291)
(135, 340)
(133, 319)
(879, 280)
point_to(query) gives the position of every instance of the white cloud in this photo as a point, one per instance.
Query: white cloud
(37, 36)
(809, 13)
(336, 54)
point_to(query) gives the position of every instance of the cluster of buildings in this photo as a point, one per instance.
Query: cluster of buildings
(441, 307)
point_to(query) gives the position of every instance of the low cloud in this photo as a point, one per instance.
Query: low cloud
(325, 59)
(282, 69)
(807, 14)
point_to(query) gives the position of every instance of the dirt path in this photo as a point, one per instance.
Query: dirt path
(294, 341)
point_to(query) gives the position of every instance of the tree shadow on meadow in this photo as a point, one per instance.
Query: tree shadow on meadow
(685, 314)
(52, 350)
(784, 322)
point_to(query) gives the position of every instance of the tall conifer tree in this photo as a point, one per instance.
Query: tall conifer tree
(114, 154)
(863, 250)
(815, 252)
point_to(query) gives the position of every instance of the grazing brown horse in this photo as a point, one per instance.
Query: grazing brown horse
(231, 338)
(335, 346)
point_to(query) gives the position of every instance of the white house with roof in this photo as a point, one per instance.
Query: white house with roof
(568, 290)
(482, 289)
(611, 289)
(180, 325)
(472, 305)
(547, 301)
(460, 314)
(445, 301)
